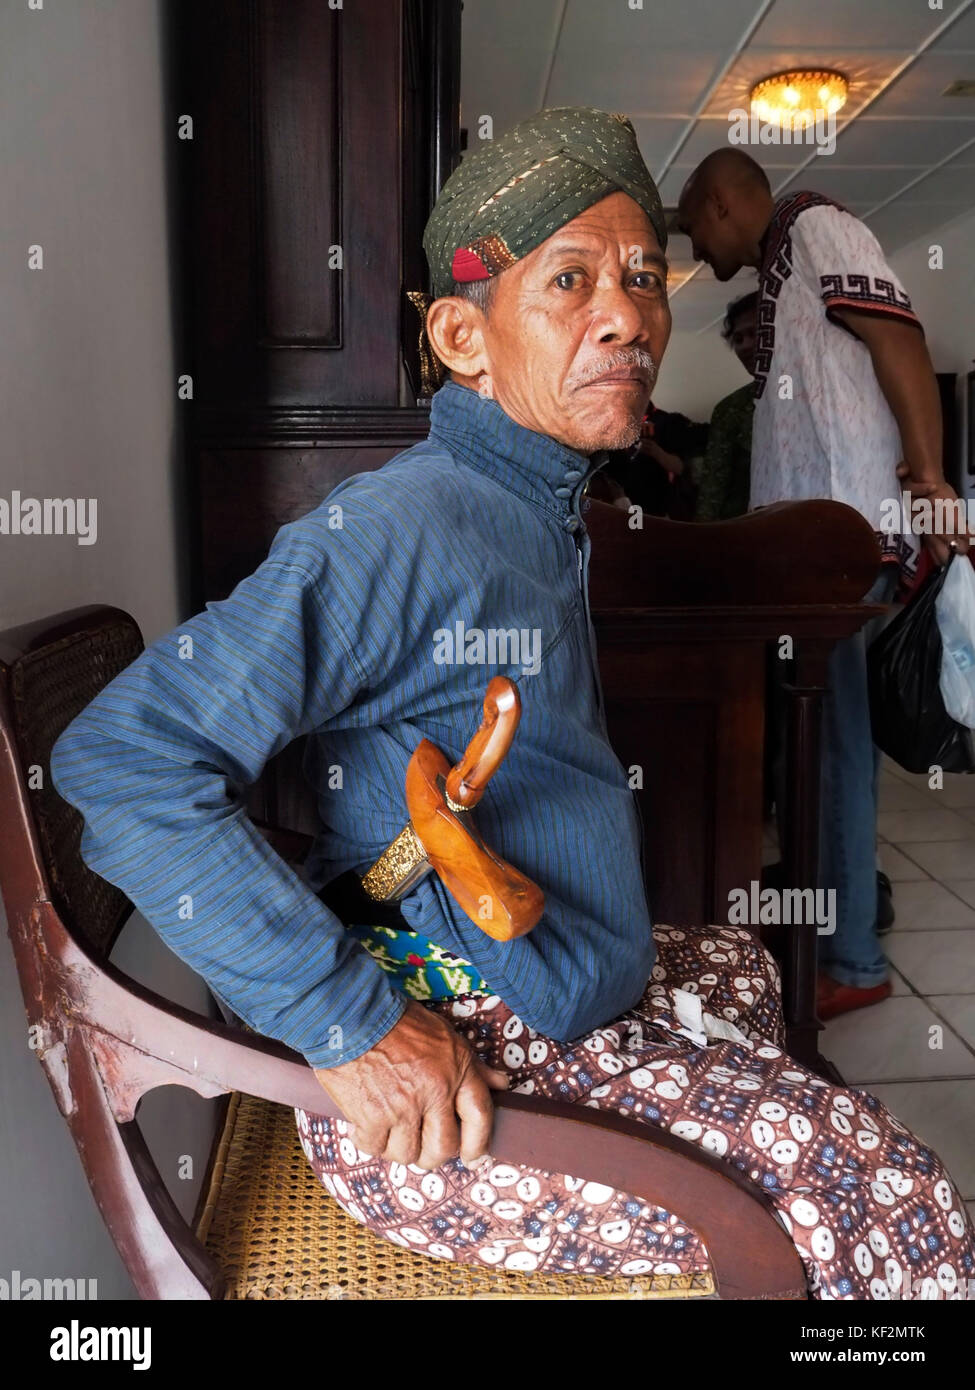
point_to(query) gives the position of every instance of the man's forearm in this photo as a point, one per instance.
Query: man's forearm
(904, 372)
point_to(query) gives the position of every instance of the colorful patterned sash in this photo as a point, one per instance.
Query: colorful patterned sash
(418, 967)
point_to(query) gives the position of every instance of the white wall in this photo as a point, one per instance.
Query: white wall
(88, 410)
(945, 302)
(698, 370)
(86, 353)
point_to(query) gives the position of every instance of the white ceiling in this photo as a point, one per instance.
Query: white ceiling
(905, 153)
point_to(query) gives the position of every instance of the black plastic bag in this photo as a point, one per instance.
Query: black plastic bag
(910, 722)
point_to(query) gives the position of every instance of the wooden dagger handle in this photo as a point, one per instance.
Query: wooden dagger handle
(488, 748)
(493, 894)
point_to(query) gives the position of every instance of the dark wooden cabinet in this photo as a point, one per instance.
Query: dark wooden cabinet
(321, 136)
(249, 489)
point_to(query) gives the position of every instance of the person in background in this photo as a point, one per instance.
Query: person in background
(726, 471)
(844, 391)
(676, 445)
(657, 474)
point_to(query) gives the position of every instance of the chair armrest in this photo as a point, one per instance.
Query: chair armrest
(752, 1256)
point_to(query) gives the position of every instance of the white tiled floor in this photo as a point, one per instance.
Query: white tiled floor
(916, 1050)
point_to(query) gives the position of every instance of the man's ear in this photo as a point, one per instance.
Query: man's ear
(719, 203)
(456, 333)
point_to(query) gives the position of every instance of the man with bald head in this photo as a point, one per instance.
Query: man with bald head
(550, 315)
(725, 208)
(845, 393)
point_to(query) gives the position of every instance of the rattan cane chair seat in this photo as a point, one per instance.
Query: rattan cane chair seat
(277, 1234)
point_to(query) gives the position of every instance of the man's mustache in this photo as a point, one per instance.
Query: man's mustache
(615, 361)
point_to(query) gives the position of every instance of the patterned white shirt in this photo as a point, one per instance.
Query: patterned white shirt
(822, 425)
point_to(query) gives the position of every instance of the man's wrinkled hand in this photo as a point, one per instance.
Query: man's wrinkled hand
(418, 1096)
(939, 542)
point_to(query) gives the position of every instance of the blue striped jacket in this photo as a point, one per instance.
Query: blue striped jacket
(375, 621)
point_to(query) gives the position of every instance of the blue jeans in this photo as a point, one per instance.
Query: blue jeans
(848, 803)
(848, 820)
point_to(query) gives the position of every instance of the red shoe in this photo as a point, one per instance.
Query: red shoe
(833, 998)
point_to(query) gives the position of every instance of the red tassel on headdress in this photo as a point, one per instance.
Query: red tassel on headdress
(467, 266)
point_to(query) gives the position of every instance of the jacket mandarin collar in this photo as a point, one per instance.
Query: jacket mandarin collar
(532, 465)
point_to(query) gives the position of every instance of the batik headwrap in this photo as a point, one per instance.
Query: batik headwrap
(513, 193)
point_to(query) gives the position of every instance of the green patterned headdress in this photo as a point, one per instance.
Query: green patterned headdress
(511, 195)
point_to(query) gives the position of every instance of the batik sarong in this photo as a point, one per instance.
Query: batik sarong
(870, 1208)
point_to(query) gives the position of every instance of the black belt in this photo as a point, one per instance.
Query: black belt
(346, 897)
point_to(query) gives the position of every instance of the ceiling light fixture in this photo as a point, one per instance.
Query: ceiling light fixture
(795, 97)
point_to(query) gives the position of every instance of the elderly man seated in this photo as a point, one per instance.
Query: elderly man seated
(550, 313)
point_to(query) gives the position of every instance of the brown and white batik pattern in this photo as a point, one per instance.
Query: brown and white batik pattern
(871, 1210)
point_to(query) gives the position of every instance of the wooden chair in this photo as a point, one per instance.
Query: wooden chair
(267, 1229)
